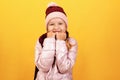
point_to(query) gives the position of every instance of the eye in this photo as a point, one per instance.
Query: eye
(60, 23)
(51, 24)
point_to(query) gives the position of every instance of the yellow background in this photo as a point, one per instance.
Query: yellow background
(95, 24)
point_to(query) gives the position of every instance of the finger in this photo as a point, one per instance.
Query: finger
(50, 34)
(61, 35)
(63, 31)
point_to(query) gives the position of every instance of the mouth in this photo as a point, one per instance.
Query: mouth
(56, 31)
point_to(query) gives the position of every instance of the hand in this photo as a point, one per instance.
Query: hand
(50, 34)
(61, 35)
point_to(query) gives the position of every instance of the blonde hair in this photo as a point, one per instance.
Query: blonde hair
(68, 44)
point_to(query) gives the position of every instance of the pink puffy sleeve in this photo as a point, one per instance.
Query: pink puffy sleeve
(44, 56)
(65, 59)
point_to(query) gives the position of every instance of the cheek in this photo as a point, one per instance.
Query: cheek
(63, 28)
(49, 28)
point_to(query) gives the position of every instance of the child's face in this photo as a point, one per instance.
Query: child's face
(56, 25)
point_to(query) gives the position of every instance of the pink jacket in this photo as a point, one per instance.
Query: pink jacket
(44, 57)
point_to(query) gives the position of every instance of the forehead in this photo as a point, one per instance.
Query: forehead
(57, 19)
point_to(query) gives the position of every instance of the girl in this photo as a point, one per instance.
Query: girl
(55, 51)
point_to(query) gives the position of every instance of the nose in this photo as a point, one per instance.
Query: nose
(56, 27)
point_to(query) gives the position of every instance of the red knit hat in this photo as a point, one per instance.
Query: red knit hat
(54, 11)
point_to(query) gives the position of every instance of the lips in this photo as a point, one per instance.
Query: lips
(56, 31)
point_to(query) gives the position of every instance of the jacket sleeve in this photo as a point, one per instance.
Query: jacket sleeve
(65, 59)
(44, 56)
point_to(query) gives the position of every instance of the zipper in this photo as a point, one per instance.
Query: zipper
(55, 54)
